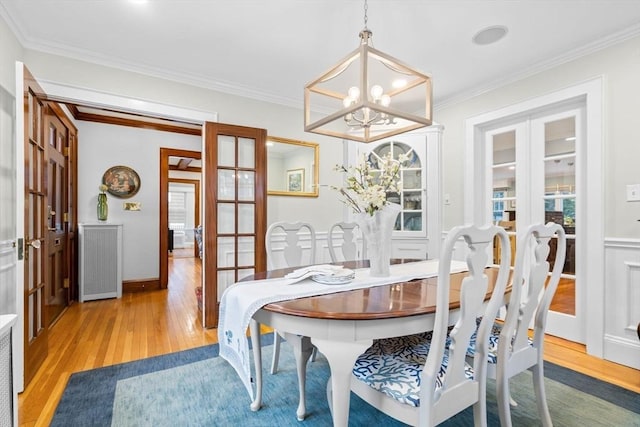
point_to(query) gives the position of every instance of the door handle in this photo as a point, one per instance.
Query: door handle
(35, 244)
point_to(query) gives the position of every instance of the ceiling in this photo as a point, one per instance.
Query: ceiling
(269, 50)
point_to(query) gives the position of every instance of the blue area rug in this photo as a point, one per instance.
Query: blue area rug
(197, 388)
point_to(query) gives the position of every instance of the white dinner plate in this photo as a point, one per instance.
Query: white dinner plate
(340, 277)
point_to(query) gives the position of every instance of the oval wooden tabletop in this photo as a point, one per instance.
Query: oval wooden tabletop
(387, 301)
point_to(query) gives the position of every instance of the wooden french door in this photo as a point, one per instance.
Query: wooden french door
(35, 227)
(235, 209)
(49, 192)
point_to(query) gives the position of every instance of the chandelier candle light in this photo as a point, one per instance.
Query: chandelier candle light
(372, 94)
(366, 193)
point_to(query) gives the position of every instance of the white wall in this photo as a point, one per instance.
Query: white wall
(278, 120)
(619, 65)
(101, 146)
(10, 51)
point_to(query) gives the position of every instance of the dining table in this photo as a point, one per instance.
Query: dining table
(342, 325)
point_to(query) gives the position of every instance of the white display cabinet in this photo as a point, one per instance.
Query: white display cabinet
(417, 232)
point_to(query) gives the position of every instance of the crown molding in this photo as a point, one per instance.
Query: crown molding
(595, 46)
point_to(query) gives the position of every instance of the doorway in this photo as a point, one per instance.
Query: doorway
(184, 216)
(533, 170)
(535, 174)
(182, 167)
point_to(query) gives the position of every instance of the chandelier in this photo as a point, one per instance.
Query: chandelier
(367, 96)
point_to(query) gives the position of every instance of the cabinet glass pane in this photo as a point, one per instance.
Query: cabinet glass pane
(226, 184)
(225, 279)
(226, 150)
(412, 200)
(246, 186)
(246, 251)
(411, 221)
(246, 218)
(226, 218)
(411, 179)
(246, 153)
(226, 251)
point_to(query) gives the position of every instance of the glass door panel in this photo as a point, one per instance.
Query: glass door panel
(246, 153)
(503, 196)
(560, 196)
(226, 151)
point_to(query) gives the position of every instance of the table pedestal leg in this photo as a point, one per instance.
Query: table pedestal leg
(302, 349)
(341, 357)
(254, 328)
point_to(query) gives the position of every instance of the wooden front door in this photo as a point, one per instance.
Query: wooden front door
(35, 227)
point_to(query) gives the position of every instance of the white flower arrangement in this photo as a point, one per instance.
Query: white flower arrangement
(367, 188)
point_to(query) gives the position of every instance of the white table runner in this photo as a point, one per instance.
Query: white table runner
(242, 300)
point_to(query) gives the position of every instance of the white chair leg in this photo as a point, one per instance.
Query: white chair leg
(503, 396)
(302, 349)
(277, 339)
(541, 396)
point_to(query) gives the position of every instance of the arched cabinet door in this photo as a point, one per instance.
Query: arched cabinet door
(418, 226)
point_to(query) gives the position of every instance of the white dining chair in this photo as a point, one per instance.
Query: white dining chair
(288, 244)
(345, 242)
(424, 379)
(511, 349)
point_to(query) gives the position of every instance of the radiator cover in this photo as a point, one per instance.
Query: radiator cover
(100, 261)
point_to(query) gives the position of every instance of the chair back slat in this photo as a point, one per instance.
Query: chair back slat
(342, 242)
(533, 287)
(457, 387)
(284, 245)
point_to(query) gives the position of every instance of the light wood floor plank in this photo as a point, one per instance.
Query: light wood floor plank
(140, 325)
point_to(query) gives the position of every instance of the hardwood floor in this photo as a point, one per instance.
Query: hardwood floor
(139, 325)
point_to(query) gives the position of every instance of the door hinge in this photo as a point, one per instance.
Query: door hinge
(65, 217)
(65, 151)
(65, 283)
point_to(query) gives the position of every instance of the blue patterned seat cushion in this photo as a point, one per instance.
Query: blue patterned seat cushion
(392, 366)
(493, 342)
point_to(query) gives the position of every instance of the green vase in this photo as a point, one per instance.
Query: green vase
(103, 208)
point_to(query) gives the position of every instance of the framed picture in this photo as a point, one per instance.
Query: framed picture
(121, 181)
(132, 206)
(295, 180)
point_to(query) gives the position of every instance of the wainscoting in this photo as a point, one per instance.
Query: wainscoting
(622, 301)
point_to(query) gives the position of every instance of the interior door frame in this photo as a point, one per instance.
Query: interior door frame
(90, 97)
(591, 228)
(196, 207)
(163, 231)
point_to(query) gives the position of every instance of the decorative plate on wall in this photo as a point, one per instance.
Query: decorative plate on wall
(121, 181)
